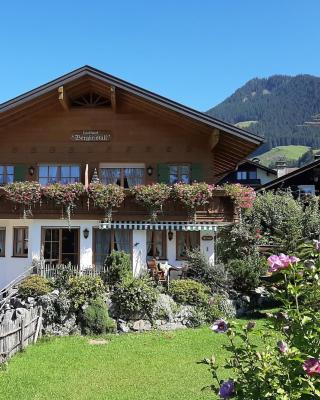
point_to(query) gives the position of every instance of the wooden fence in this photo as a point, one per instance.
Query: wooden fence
(16, 334)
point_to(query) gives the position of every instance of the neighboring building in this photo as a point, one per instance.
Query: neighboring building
(88, 120)
(250, 173)
(304, 180)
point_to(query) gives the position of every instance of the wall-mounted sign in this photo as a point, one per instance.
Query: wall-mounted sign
(208, 237)
(91, 136)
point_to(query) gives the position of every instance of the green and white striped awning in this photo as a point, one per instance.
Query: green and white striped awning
(159, 226)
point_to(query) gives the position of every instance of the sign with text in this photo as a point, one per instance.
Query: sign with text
(91, 136)
(208, 237)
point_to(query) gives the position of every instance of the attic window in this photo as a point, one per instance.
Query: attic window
(91, 99)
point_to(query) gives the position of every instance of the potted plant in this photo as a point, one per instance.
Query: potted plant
(193, 196)
(24, 194)
(106, 197)
(152, 197)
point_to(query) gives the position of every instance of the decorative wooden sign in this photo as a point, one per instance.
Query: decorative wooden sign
(91, 136)
(208, 237)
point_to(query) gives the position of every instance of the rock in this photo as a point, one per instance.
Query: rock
(171, 326)
(141, 325)
(122, 326)
(55, 292)
(165, 308)
(31, 300)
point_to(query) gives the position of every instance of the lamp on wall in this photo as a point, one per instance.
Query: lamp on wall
(170, 235)
(31, 171)
(86, 233)
(149, 170)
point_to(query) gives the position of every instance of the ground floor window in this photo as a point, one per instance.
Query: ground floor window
(186, 241)
(60, 246)
(156, 244)
(20, 242)
(106, 240)
(2, 241)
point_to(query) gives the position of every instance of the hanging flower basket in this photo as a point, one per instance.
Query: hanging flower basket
(64, 195)
(106, 197)
(243, 196)
(152, 197)
(193, 196)
(24, 194)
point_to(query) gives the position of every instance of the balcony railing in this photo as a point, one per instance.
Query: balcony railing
(220, 209)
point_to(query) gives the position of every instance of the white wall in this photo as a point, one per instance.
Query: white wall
(11, 267)
(264, 176)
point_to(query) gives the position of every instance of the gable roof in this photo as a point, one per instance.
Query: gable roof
(233, 145)
(290, 175)
(258, 165)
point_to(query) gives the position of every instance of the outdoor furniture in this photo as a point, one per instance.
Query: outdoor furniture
(157, 274)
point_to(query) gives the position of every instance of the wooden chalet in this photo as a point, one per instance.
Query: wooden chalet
(89, 123)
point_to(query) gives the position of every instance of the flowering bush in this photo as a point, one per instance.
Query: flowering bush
(25, 194)
(288, 365)
(64, 195)
(243, 196)
(152, 197)
(106, 197)
(193, 196)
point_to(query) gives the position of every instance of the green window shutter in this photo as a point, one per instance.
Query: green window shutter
(20, 173)
(197, 173)
(163, 173)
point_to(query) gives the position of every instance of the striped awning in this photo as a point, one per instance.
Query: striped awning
(159, 226)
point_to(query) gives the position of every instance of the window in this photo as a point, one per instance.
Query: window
(252, 174)
(20, 242)
(64, 174)
(179, 173)
(242, 175)
(2, 241)
(106, 240)
(60, 246)
(125, 176)
(187, 241)
(156, 244)
(307, 189)
(6, 174)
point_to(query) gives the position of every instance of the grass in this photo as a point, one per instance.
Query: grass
(130, 367)
(289, 152)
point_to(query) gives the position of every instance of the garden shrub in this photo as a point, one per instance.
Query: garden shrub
(63, 275)
(117, 267)
(200, 269)
(246, 272)
(95, 319)
(134, 298)
(82, 289)
(188, 291)
(34, 286)
(287, 367)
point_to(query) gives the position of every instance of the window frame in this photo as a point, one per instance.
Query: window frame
(164, 245)
(178, 233)
(112, 238)
(60, 229)
(13, 174)
(242, 177)
(4, 229)
(179, 172)
(15, 242)
(59, 166)
(122, 167)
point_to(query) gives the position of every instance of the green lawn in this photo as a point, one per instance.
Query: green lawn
(134, 366)
(289, 152)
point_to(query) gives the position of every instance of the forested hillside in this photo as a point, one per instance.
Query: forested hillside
(284, 109)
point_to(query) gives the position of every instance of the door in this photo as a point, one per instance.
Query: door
(60, 246)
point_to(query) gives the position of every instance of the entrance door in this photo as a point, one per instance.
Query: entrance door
(60, 246)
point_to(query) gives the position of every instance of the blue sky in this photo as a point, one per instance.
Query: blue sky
(195, 52)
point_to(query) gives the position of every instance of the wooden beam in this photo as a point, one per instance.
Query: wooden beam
(113, 98)
(214, 138)
(63, 98)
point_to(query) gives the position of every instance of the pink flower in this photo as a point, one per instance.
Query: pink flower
(220, 326)
(282, 261)
(282, 346)
(312, 366)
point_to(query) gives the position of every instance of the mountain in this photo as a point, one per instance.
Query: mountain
(284, 109)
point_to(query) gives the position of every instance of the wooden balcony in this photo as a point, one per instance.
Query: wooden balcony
(220, 210)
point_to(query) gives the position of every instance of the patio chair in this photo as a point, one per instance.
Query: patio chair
(158, 275)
